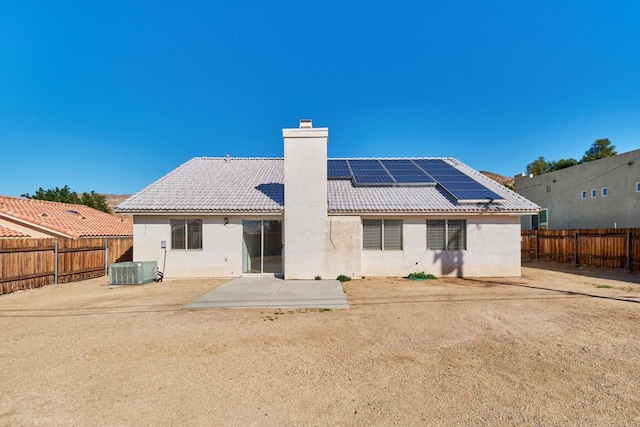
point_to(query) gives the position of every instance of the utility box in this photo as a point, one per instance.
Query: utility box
(133, 273)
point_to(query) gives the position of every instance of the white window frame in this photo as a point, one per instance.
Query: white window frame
(583, 195)
(186, 223)
(382, 246)
(594, 193)
(446, 234)
(605, 191)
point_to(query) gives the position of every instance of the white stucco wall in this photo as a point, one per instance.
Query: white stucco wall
(221, 254)
(343, 247)
(493, 250)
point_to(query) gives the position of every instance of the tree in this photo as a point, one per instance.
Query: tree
(538, 166)
(564, 163)
(95, 201)
(65, 195)
(600, 149)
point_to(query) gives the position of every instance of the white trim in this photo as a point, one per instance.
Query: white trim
(604, 192)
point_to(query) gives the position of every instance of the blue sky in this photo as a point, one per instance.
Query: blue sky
(110, 96)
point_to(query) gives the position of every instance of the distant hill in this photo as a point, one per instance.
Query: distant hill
(504, 180)
(114, 199)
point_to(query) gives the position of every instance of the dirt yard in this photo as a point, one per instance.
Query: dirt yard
(551, 347)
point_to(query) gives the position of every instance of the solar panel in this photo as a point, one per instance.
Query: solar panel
(369, 172)
(406, 172)
(456, 182)
(338, 169)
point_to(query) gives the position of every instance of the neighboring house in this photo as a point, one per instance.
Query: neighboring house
(9, 233)
(604, 193)
(22, 217)
(305, 216)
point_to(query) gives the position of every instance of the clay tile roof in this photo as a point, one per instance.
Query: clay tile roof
(8, 232)
(65, 218)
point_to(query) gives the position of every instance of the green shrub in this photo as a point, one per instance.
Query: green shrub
(421, 276)
(318, 278)
(343, 278)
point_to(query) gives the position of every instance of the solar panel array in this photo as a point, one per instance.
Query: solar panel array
(410, 172)
(458, 184)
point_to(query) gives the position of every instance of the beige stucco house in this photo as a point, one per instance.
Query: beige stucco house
(304, 216)
(604, 193)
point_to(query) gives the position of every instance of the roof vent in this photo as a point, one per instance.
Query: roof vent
(227, 158)
(305, 124)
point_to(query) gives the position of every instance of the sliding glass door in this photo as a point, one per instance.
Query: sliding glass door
(261, 246)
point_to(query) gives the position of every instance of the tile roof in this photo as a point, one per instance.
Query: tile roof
(215, 185)
(64, 218)
(206, 184)
(8, 232)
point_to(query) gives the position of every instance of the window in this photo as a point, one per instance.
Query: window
(543, 223)
(605, 192)
(583, 195)
(382, 234)
(594, 193)
(447, 234)
(638, 187)
(186, 234)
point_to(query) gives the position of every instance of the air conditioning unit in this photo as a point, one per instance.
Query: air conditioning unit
(133, 273)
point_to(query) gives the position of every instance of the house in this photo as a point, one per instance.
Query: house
(305, 216)
(9, 233)
(20, 217)
(604, 193)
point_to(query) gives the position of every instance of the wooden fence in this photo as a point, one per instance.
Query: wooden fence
(31, 263)
(607, 247)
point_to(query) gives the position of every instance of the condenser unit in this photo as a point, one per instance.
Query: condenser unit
(133, 273)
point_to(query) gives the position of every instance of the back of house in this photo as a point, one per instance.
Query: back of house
(306, 215)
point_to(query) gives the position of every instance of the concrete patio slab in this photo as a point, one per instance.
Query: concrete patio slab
(272, 292)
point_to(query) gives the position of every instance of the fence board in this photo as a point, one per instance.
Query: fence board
(29, 263)
(607, 247)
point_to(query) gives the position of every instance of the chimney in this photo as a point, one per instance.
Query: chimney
(305, 200)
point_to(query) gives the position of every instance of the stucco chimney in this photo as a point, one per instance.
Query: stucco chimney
(305, 200)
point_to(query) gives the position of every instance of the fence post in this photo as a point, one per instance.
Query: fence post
(629, 237)
(55, 263)
(536, 244)
(106, 257)
(575, 250)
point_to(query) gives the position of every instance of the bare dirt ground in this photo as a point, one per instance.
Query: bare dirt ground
(549, 348)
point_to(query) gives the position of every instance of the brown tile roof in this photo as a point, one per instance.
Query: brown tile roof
(65, 218)
(8, 232)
